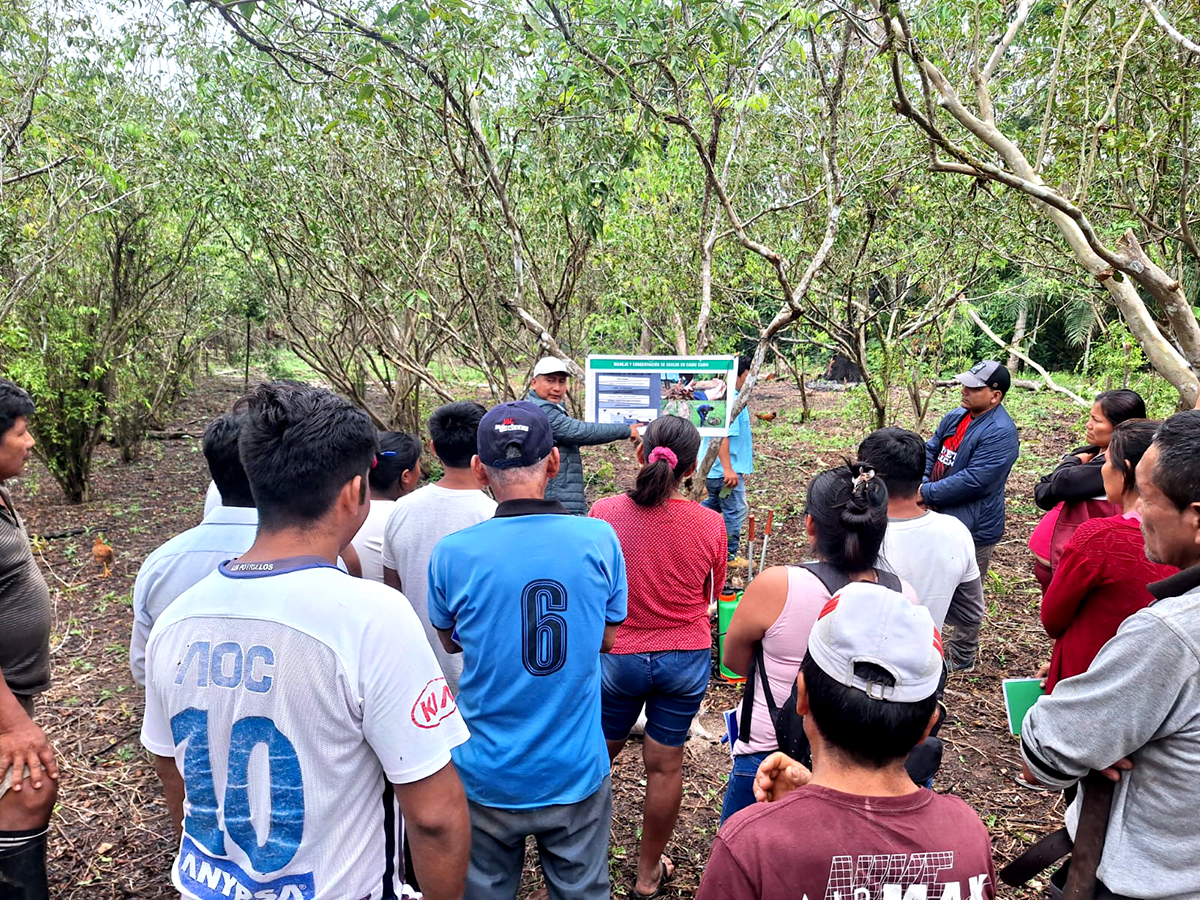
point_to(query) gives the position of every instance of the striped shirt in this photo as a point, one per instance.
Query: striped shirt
(24, 608)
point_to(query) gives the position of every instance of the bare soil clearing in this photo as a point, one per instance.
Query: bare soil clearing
(110, 837)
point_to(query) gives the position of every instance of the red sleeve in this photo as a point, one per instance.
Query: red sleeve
(1079, 570)
(723, 878)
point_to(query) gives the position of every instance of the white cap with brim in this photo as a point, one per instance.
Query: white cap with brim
(868, 623)
(550, 365)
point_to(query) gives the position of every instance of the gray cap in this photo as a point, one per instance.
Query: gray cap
(988, 373)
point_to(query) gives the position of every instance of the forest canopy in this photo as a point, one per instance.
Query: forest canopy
(397, 191)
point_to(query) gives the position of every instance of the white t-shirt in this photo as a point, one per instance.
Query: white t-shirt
(369, 540)
(935, 554)
(212, 498)
(418, 521)
(288, 693)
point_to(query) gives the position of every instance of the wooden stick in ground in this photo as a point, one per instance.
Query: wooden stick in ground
(1089, 837)
(762, 560)
(750, 552)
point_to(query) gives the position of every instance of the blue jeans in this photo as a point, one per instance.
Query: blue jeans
(669, 683)
(740, 792)
(732, 508)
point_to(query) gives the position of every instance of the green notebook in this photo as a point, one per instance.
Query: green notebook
(1019, 695)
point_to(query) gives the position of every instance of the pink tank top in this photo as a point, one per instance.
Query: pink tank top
(784, 646)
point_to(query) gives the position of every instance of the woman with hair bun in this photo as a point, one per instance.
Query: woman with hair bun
(675, 563)
(846, 519)
(1074, 491)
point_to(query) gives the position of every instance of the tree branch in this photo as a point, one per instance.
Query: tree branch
(1172, 32)
(1021, 355)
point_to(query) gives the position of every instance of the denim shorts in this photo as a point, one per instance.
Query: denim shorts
(739, 793)
(670, 684)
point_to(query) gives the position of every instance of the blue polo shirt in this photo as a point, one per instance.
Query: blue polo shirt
(741, 447)
(528, 594)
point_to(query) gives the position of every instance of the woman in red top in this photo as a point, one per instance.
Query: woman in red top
(675, 559)
(1102, 575)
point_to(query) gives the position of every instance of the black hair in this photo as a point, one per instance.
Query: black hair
(1177, 473)
(743, 364)
(299, 447)
(656, 480)
(873, 733)
(224, 462)
(849, 506)
(1130, 441)
(454, 430)
(398, 452)
(14, 403)
(1118, 406)
(898, 457)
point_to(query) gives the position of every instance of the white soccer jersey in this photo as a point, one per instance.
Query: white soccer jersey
(290, 694)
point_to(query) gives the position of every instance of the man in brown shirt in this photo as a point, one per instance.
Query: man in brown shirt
(27, 795)
(856, 825)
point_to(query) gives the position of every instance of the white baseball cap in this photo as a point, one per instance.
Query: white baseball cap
(551, 365)
(868, 623)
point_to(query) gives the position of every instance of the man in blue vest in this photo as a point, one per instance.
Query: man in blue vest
(967, 462)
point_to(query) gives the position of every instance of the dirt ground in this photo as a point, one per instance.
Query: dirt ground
(110, 836)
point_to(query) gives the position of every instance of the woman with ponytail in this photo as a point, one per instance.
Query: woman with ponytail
(675, 562)
(846, 519)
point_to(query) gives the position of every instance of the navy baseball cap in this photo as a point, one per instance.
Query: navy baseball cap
(988, 373)
(521, 424)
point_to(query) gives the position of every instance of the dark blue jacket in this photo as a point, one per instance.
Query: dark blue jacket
(569, 435)
(973, 490)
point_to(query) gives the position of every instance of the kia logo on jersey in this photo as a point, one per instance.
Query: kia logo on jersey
(435, 703)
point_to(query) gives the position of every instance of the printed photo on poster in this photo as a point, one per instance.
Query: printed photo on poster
(632, 389)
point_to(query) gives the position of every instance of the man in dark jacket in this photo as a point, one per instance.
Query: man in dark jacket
(548, 390)
(967, 462)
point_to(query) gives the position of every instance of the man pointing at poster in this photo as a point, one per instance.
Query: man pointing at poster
(548, 389)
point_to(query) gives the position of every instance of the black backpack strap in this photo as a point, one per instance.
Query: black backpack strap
(889, 580)
(746, 717)
(758, 668)
(829, 575)
(835, 579)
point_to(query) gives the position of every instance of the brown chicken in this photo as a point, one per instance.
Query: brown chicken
(766, 417)
(770, 376)
(103, 555)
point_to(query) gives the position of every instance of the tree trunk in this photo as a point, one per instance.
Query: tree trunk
(1018, 336)
(1072, 224)
(681, 345)
(706, 261)
(646, 343)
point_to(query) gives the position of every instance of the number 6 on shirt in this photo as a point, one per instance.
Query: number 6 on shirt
(543, 632)
(286, 789)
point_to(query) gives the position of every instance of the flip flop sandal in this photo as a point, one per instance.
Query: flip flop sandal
(664, 878)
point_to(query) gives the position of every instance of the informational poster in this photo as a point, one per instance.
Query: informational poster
(630, 389)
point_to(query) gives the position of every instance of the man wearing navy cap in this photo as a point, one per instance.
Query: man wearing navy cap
(531, 622)
(967, 462)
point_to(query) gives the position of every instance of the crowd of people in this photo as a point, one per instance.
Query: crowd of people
(360, 687)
